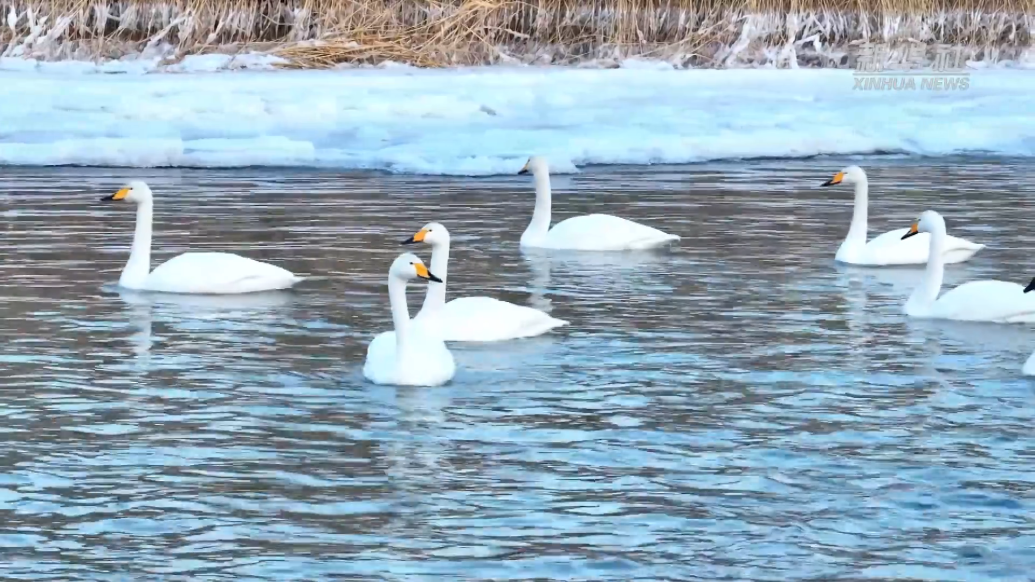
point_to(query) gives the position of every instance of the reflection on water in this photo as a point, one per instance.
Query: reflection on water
(737, 407)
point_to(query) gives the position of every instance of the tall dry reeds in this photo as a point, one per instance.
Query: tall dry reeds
(323, 33)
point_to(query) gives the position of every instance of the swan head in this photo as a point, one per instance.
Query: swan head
(535, 164)
(136, 192)
(408, 266)
(1031, 286)
(928, 221)
(849, 175)
(432, 233)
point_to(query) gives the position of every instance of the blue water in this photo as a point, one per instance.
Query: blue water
(737, 408)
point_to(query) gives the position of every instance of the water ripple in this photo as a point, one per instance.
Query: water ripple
(737, 408)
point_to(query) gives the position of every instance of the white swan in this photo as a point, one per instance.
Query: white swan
(995, 301)
(1029, 366)
(471, 319)
(407, 356)
(591, 232)
(889, 248)
(202, 273)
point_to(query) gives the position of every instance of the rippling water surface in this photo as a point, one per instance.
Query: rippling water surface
(737, 408)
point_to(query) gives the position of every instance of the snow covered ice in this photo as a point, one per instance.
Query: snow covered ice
(489, 120)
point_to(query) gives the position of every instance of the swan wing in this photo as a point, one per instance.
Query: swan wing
(603, 232)
(430, 363)
(218, 273)
(485, 319)
(890, 249)
(994, 301)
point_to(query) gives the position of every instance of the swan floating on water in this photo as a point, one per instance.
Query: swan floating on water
(989, 300)
(591, 232)
(407, 356)
(471, 319)
(199, 273)
(1029, 366)
(890, 248)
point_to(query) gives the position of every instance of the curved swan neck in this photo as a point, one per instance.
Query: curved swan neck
(857, 232)
(927, 291)
(400, 312)
(540, 223)
(139, 264)
(436, 295)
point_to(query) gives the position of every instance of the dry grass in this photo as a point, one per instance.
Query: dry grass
(435, 33)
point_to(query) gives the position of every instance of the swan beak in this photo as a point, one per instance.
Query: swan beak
(835, 180)
(424, 273)
(1031, 286)
(116, 196)
(523, 170)
(419, 237)
(912, 230)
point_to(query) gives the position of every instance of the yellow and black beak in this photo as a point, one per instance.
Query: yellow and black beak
(912, 230)
(424, 273)
(121, 194)
(419, 237)
(1031, 286)
(835, 180)
(523, 170)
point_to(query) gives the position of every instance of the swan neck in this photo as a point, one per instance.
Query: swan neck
(139, 264)
(400, 312)
(857, 232)
(927, 292)
(436, 295)
(540, 224)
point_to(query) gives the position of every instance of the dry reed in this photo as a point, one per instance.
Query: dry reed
(435, 33)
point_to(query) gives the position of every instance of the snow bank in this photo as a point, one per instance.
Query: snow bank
(489, 120)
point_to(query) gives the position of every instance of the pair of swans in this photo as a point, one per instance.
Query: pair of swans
(194, 273)
(890, 248)
(927, 241)
(395, 357)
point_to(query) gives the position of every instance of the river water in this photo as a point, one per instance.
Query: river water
(737, 408)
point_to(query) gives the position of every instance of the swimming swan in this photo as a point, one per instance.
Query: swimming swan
(591, 232)
(889, 248)
(207, 273)
(407, 356)
(472, 319)
(1029, 366)
(994, 301)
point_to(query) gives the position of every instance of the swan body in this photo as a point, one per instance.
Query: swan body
(591, 232)
(472, 319)
(196, 273)
(889, 248)
(989, 300)
(408, 355)
(1029, 365)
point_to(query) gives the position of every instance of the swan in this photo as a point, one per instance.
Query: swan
(591, 232)
(889, 248)
(407, 356)
(994, 301)
(1029, 366)
(201, 273)
(472, 319)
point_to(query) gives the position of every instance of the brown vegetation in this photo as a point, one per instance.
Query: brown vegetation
(323, 33)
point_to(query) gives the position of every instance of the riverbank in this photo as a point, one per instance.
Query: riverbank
(426, 33)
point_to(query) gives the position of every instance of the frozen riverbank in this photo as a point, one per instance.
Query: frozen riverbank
(488, 120)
